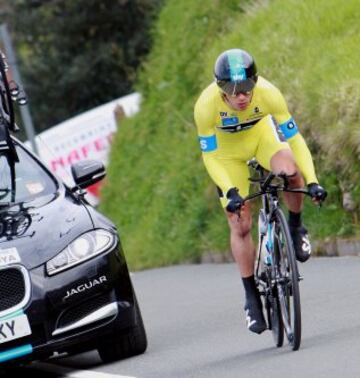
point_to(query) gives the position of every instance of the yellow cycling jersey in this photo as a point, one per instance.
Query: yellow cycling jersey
(229, 137)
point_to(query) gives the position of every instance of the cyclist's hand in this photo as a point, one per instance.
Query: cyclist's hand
(317, 192)
(235, 201)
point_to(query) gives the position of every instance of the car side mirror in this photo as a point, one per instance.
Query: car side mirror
(87, 172)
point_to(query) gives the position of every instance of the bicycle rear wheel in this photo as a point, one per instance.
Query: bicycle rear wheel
(287, 281)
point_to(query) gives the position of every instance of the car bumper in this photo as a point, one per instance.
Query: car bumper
(70, 311)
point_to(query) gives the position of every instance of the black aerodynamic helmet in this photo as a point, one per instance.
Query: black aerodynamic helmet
(235, 72)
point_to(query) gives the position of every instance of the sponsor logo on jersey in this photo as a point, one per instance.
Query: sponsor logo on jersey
(230, 121)
(290, 125)
(203, 145)
(208, 144)
(289, 128)
(256, 114)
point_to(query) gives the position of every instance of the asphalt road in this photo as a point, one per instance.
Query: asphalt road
(196, 327)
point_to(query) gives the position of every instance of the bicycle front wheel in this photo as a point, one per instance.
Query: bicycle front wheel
(287, 281)
(274, 316)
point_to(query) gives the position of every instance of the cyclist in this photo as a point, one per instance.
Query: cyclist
(240, 116)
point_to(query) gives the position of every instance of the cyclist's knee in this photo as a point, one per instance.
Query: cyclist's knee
(240, 227)
(296, 180)
(284, 162)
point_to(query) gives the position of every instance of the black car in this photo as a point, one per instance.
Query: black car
(64, 281)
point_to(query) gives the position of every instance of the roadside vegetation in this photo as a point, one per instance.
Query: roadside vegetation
(158, 191)
(75, 55)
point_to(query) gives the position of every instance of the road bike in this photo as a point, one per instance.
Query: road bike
(276, 271)
(8, 156)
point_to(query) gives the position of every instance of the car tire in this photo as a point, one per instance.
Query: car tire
(126, 345)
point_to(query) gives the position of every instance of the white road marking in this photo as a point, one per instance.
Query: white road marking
(71, 373)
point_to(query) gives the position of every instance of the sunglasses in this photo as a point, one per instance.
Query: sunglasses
(234, 90)
(236, 94)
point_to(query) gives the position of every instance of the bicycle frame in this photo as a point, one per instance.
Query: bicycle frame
(269, 194)
(270, 203)
(276, 271)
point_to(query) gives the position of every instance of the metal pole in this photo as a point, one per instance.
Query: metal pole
(24, 109)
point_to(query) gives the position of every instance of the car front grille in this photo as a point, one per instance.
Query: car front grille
(80, 311)
(12, 288)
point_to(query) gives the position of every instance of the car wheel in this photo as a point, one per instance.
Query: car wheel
(126, 345)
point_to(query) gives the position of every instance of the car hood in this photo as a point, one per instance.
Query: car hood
(44, 229)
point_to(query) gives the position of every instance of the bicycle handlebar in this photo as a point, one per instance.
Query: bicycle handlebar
(267, 187)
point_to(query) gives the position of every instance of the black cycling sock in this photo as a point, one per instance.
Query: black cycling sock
(294, 219)
(251, 291)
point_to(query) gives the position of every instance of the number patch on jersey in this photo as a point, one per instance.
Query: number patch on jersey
(289, 128)
(208, 144)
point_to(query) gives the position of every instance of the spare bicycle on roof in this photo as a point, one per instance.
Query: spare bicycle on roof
(9, 93)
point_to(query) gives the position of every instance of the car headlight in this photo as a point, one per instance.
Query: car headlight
(81, 249)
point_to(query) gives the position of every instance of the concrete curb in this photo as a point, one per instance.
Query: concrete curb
(338, 247)
(330, 248)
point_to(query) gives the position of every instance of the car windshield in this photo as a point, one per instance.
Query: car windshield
(32, 181)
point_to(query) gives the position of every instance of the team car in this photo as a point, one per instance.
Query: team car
(64, 280)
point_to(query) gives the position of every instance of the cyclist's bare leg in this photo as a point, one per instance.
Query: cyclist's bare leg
(242, 245)
(283, 162)
(243, 250)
